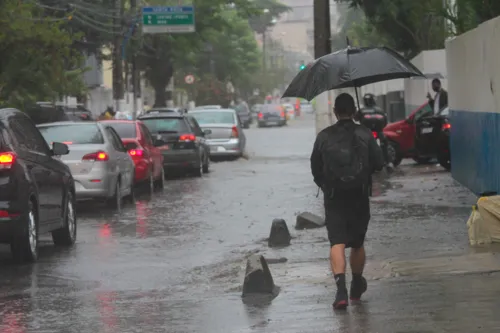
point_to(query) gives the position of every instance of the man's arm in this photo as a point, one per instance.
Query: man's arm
(317, 162)
(376, 156)
(443, 99)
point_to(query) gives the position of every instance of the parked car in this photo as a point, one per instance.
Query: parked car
(165, 110)
(401, 136)
(147, 158)
(244, 114)
(181, 141)
(306, 106)
(223, 132)
(47, 112)
(289, 111)
(208, 107)
(37, 190)
(271, 115)
(432, 137)
(98, 160)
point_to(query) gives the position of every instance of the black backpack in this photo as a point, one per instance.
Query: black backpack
(346, 159)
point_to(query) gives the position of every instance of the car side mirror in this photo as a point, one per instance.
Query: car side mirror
(59, 149)
(207, 131)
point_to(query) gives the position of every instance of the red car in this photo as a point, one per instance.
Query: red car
(147, 158)
(401, 135)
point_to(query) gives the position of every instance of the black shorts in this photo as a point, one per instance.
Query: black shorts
(346, 216)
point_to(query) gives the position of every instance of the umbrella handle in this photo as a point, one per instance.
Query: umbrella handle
(357, 97)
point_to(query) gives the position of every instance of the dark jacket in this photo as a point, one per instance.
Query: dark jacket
(375, 153)
(443, 100)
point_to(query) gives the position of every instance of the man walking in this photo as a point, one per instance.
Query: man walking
(440, 100)
(343, 159)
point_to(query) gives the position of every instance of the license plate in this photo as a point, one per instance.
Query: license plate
(426, 130)
(272, 123)
(217, 149)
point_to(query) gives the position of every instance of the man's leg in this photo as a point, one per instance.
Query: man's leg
(358, 284)
(338, 264)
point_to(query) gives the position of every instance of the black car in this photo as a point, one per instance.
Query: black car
(244, 114)
(37, 192)
(181, 141)
(432, 137)
(271, 115)
(46, 112)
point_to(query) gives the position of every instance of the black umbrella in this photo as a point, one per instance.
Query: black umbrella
(350, 67)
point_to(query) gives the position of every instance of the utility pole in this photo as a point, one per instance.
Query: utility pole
(118, 84)
(135, 75)
(322, 30)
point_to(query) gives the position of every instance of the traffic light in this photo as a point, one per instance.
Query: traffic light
(302, 65)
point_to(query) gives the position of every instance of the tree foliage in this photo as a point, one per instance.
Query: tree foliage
(222, 34)
(410, 26)
(37, 61)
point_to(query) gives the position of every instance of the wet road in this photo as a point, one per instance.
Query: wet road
(175, 262)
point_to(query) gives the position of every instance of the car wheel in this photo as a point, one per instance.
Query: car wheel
(151, 183)
(422, 160)
(116, 201)
(445, 162)
(160, 183)
(24, 246)
(198, 172)
(131, 196)
(393, 153)
(66, 236)
(206, 165)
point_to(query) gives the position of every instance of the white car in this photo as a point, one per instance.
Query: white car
(289, 110)
(306, 107)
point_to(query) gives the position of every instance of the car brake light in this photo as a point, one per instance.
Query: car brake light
(260, 115)
(446, 126)
(375, 135)
(234, 132)
(6, 214)
(187, 137)
(136, 152)
(282, 114)
(7, 160)
(98, 156)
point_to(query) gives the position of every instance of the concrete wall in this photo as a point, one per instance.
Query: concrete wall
(416, 90)
(474, 99)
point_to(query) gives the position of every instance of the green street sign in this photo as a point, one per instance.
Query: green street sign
(177, 19)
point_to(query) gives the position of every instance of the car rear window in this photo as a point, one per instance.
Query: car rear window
(271, 108)
(124, 130)
(304, 103)
(72, 134)
(213, 117)
(169, 125)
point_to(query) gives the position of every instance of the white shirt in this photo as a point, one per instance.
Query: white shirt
(436, 103)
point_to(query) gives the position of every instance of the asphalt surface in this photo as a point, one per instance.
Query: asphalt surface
(175, 262)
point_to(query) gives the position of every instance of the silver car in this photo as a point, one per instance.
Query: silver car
(100, 164)
(225, 135)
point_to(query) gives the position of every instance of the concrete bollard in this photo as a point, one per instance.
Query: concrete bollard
(258, 278)
(279, 235)
(308, 220)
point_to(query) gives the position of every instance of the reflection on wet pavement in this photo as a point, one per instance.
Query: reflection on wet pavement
(174, 262)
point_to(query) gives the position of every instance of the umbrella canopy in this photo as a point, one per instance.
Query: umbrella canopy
(350, 67)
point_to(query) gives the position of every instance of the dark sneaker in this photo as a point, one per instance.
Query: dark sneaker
(358, 287)
(341, 300)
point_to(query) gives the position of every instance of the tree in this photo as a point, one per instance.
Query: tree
(410, 26)
(354, 25)
(161, 52)
(266, 14)
(468, 14)
(233, 55)
(36, 55)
